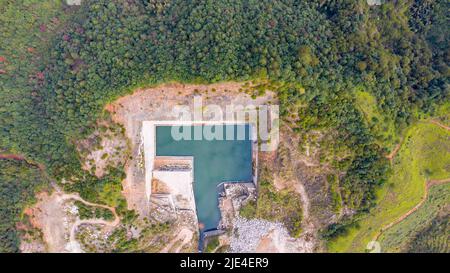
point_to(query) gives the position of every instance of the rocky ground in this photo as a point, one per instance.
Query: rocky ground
(232, 198)
(263, 236)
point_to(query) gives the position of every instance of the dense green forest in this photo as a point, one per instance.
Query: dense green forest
(19, 182)
(316, 53)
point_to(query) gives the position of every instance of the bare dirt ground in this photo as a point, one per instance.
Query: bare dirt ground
(111, 150)
(257, 235)
(73, 245)
(56, 217)
(266, 244)
(276, 241)
(50, 215)
(12, 156)
(184, 237)
(157, 104)
(440, 124)
(394, 152)
(302, 172)
(21, 158)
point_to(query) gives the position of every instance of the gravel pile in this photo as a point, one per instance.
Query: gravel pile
(247, 233)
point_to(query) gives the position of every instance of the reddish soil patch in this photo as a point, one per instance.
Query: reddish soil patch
(443, 126)
(12, 156)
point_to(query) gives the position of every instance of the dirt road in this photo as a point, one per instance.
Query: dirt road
(73, 245)
(59, 222)
(443, 126)
(185, 235)
(394, 152)
(22, 158)
(428, 184)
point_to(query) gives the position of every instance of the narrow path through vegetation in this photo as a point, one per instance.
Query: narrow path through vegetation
(72, 239)
(428, 184)
(22, 158)
(394, 152)
(440, 124)
(184, 237)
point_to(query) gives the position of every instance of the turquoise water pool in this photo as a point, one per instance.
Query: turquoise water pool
(215, 161)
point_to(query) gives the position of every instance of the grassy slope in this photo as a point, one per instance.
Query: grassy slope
(423, 155)
(434, 238)
(443, 114)
(383, 127)
(397, 238)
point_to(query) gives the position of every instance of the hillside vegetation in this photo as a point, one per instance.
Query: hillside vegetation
(417, 231)
(433, 238)
(19, 182)
(381, 125)
(423, 156)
